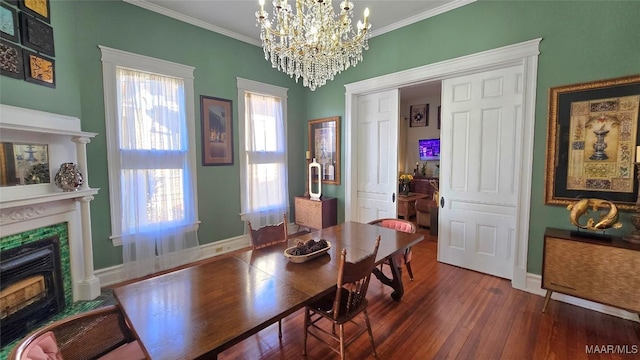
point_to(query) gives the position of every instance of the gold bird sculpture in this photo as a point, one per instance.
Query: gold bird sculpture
(605, 221)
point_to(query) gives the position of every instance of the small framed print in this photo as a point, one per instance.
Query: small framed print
(217, 133)
(36, 35)
(419, 115)
(39, 69)
(38, 8)
(11, 60)
(8, 23)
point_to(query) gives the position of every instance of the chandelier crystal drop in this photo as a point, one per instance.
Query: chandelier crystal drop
(314, 43)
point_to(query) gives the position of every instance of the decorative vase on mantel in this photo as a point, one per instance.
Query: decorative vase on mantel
(68, 177)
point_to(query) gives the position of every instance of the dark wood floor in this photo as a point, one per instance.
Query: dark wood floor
(452, 313)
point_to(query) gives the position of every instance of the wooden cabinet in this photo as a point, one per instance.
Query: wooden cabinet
(316, 214)
(597, 270)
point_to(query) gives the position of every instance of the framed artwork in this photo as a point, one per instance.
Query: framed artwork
(324, 146)
(38, 8)
(8, 23)
(11, 60)
(39, 69)
(419, 115)
(36, 35)
(592, 134)
(217, 136)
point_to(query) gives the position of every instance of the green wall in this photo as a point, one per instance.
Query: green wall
(582, 41)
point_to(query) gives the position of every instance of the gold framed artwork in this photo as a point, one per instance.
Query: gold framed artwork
(592, 134)
(324, 146)
(217, 135)
(38, 8)
(39, 69)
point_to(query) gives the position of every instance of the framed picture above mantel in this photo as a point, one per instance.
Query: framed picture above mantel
(592, 135)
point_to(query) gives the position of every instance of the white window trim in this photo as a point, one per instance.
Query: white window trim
(245, 85)
(112, 58)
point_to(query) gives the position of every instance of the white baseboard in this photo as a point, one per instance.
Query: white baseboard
(534, 286)
(115, 274)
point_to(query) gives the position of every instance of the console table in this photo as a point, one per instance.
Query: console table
(316, 214)
(604, 271)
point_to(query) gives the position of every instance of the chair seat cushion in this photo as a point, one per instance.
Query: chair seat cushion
(44, 347)
(128, 351)
(396, 225)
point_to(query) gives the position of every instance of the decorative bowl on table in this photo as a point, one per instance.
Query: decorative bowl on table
(305, 251)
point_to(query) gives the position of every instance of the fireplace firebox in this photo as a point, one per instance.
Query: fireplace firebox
(31, 290)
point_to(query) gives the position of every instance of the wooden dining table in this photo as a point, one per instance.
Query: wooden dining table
(202, 310)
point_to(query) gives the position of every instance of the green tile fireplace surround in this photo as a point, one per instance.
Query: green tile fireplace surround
(60, 230)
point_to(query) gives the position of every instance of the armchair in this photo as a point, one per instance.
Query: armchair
(427, 214)
(100, 333)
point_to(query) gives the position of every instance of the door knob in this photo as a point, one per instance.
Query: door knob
(393, 197)
(442, 202)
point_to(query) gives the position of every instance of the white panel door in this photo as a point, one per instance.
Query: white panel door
(481, 120)
(377, 121)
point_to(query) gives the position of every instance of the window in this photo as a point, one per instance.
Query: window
(150, 136)
(263, 152)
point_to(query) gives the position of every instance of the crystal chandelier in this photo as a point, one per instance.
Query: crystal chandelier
(313, 43)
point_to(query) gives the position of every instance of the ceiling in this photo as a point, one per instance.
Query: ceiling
(237, 20)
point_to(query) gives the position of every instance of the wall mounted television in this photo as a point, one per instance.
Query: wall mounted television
(429, 149)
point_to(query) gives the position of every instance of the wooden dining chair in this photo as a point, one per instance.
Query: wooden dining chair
(270, 235)
(400, 225)
(100, 333)
(343, 305)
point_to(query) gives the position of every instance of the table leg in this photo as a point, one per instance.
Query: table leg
(395, 282)
(546, 300)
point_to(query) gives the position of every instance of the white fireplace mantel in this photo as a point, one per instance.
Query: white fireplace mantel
(28, 207)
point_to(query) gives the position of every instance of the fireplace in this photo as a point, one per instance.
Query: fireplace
(32, 289)
(32, 207)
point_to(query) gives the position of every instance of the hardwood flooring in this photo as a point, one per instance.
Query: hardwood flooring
(452, 313)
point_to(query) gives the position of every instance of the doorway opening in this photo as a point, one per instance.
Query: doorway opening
(523, 54)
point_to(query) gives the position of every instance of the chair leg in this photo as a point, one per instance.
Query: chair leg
(306, 329)
(373, 345)
(342, 342)
(409, 270)
(280, 324)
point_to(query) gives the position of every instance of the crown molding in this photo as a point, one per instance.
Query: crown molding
(189, 20)
(205, 25)
(422, 16)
